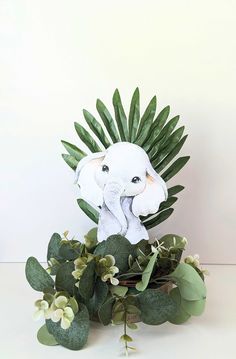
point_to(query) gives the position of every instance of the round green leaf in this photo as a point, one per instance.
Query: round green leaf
(180, 316)
(105, 311)
(193, 307)
(189, 282)
(119, 247)
(75, 337)
(64, 278)
(98, 298)
(87, 281)
(53, 247)
(156, 306)
(119, 290)
(37, 276)
(44, 337)
(69, 250)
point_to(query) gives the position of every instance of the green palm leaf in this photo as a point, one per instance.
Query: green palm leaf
(175, 168)
(96, 128)
(162, 137)
(134, 115)
(164, 205)
(73, 150)
(156, 128)
(168, 203)
(88, 210)
(146, 122)
(174, 190)
(70, 160)
(162, 216)
(168, 146)
(86, 138)
(120, 116)
(171, 155)
(157, 137)
(108, 121)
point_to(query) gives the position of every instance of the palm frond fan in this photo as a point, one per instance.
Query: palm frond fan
(158, 136)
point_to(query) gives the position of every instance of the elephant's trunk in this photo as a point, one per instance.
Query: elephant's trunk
(112, 193)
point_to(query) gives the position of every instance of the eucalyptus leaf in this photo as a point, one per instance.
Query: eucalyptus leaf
(87, 281)
(100, 249)
(64, 278)
(134, 115)
(119, 290)
(70, 160)
(69, 250)
(180, 316)
(98, 298)
(90, 239)
(156, 306)
(45, 338)
(120, 248)
(87, 138)
(108, 121)
(53, 247)
(146, 275)
(105, 311)
(174, 244)
(73, 150)
(96, 128)
(37, 276)
(142, 246)
(75, 337)
(189, 282)
(194, 307)
(173, 240)
(118, 318)
(92, 213)
(132, 326)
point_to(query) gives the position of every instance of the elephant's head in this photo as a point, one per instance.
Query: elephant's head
(123, 169)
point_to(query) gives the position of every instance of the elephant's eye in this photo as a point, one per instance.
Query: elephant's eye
(105, 168)
(136, 179)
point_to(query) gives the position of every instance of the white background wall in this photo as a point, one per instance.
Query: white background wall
(57, 57)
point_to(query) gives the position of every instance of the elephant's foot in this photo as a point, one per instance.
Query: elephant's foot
(134, 234)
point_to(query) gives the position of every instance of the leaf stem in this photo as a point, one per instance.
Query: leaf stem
(125, 333)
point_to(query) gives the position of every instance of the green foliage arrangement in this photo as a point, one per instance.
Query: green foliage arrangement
(113, 281)
(158, 135)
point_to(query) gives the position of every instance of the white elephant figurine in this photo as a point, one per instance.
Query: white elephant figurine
(122, 182)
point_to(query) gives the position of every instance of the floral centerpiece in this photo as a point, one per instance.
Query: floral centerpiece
(118, 275)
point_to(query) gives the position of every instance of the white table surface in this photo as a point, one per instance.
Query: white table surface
(213, 335)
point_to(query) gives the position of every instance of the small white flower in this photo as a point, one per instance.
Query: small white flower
(184, 241)
(114, 281)
(60, 311)
(43, 310)
(66, 316)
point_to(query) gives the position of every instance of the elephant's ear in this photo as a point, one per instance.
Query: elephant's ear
(149, 200)
(85, 178)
